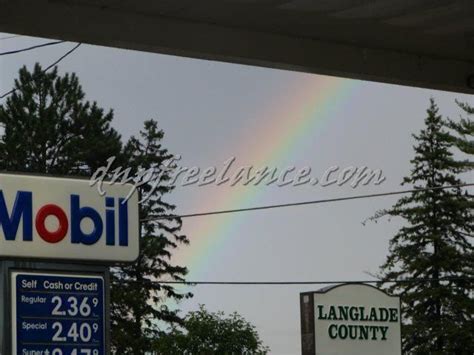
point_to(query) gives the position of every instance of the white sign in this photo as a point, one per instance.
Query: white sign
(354, 319)
(61, 218)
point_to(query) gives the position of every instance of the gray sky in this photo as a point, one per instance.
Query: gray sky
(210, 112)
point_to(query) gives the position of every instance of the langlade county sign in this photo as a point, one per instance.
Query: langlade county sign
(61, 218)
(350, 319)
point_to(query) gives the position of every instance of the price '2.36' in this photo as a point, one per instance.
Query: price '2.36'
(73, 308)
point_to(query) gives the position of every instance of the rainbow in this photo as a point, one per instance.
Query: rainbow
(308, 104)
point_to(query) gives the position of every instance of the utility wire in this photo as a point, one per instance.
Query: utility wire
(32, 47)
(303, 203)
(48, 68)
(282, 283)
(62, 57)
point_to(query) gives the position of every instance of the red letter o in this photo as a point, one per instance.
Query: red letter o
(46, 235)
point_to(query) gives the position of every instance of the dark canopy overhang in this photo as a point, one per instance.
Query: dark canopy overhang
(425, 43)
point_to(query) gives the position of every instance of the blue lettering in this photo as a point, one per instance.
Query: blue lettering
(21, 207)
(109, 221)
(123, 222)
(77, 215)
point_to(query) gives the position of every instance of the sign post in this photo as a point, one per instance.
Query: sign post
(355, 319)
(58, 238)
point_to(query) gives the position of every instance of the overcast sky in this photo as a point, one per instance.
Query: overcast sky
(213, 111)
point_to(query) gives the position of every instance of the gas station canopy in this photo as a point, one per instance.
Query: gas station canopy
(425, 43)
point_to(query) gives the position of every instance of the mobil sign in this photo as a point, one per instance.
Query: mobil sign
(62, 218)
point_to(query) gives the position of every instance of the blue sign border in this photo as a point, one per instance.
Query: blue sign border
(59, 274)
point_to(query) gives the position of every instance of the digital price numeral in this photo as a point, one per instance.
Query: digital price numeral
(76, 352)
(81, 331)
(74, 308)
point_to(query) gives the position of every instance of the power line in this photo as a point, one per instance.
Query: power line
(283, 283)
(303, 203)
(32, 47)
(62, 57)
(48, 68)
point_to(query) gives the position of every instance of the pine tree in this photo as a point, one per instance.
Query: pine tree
(434, 243)
(138, 301)
(48, 127)
(462, 134)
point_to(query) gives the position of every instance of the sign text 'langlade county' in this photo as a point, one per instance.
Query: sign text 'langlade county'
(371, 320)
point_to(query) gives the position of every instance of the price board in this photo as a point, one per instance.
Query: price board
(57, 314)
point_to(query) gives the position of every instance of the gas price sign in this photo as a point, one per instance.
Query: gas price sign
(57, 314)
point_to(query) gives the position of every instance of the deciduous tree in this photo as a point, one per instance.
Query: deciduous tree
(211, 333)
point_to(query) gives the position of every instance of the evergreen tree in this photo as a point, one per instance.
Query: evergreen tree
(138, 301)
(48, 127)
(462, 134)
(434, 243)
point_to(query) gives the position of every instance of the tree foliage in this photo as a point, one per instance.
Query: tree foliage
(211, 333)
(139, 302)
(48, 127)
(462, 134)
(434, 243)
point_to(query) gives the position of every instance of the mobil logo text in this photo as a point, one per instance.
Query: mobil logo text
(50, 218)
(109, 221)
